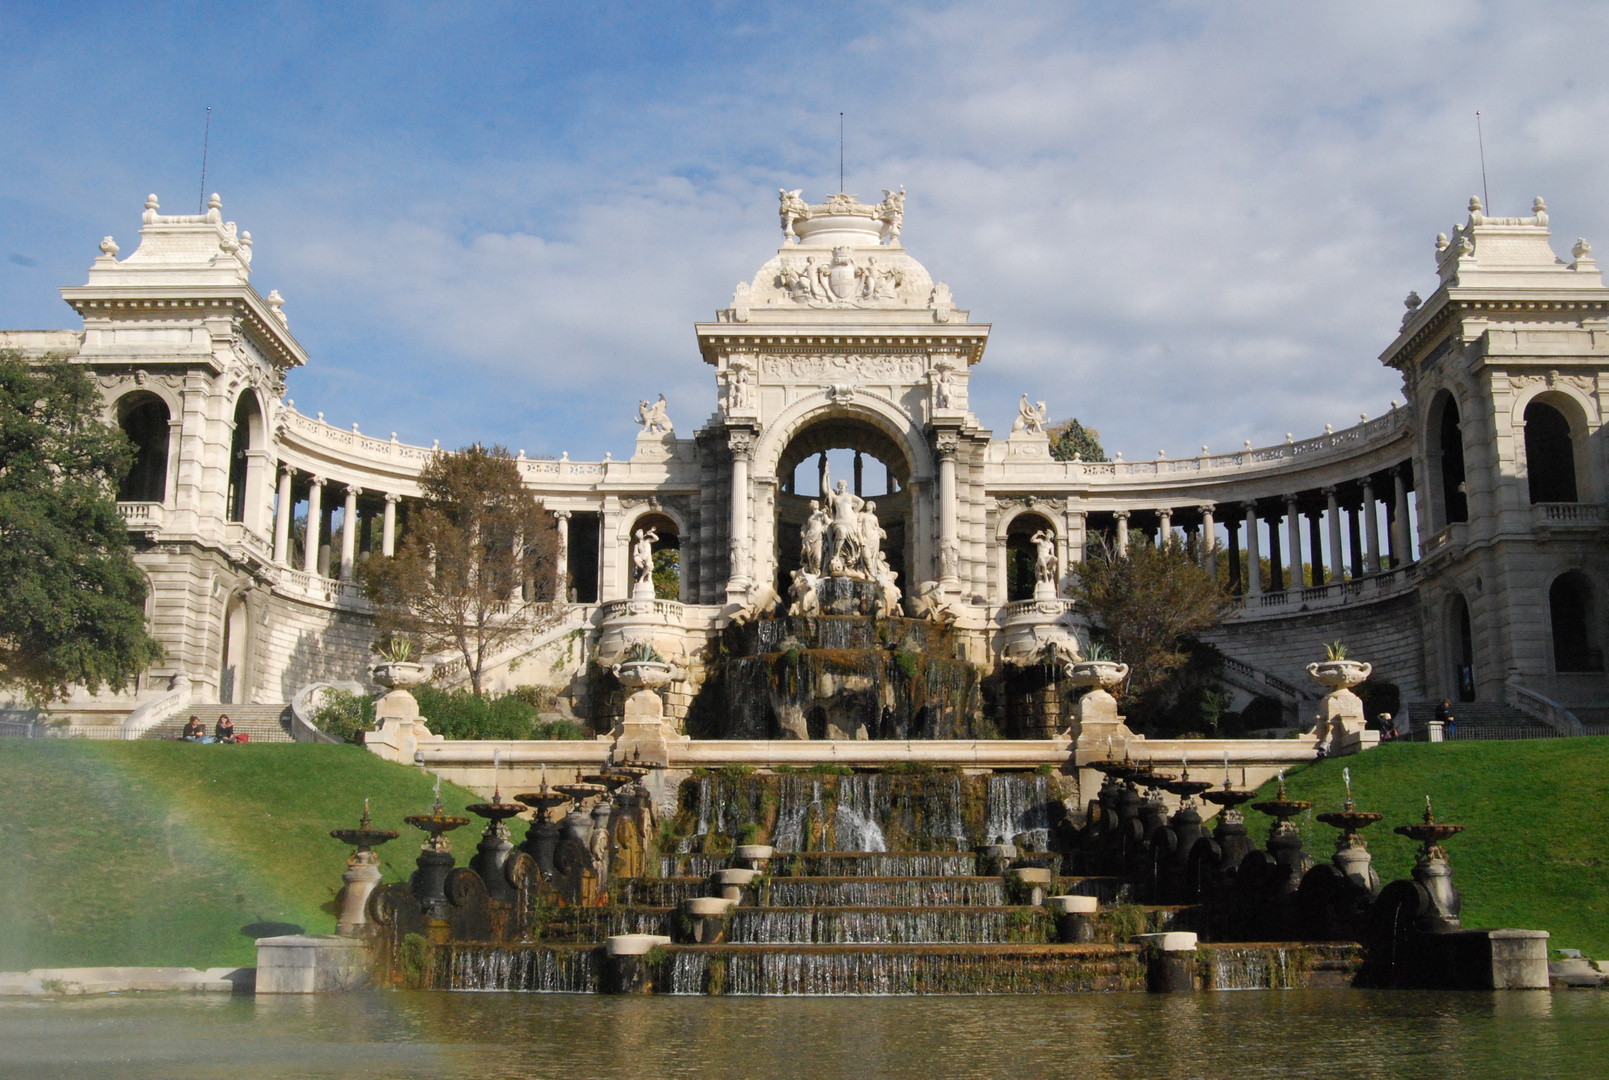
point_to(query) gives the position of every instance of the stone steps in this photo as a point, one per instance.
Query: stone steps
(264, 723)
(1481, 720)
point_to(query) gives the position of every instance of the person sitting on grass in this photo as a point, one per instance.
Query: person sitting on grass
(224, 729)
(194, 730)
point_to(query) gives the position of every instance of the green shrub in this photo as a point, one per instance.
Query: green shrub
(827, 768)
(460, 714)
(343, 715)
(909, 663)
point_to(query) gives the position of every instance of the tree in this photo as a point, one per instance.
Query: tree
(1145, 606)
(1070, 438)
(72, 602)
(475, 567)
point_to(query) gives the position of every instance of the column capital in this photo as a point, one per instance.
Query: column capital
(562, 515)
(317, 481)
(286, 469)
(947, 443)
(1206, 508)
(392, 498)
(1329, 491)
(353, 491)
(740, 441)
(1121, 515)
(1290, 501)
(1249, 507)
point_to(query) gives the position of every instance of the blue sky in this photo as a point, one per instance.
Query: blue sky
(1189, 223)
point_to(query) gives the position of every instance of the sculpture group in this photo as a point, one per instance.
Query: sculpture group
(843, 540)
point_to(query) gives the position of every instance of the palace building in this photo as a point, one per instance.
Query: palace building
(1457, 542)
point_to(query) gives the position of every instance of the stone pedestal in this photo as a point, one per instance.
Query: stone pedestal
(644, 735)
(312, 964)
(361, 877)
(399, 729)
(1170, 962)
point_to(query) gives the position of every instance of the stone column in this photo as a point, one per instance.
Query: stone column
(315, 517)
(388, 526)
(561, 559)
(1122, 517)
(1371, 530)
(1254, 561)
(1209, 541)
(349, 532)
(1293, 540)
(1315, 546)
(948, 442)
(282, 518)
(741, 444)
(1337, 556)
(1164, 526)
(1354, 542)
(1399, 523)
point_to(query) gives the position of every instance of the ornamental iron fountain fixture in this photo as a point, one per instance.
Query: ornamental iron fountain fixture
(362, 873)
(435, 857)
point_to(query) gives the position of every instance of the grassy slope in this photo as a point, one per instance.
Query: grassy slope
(157, 853)
(1534, 852)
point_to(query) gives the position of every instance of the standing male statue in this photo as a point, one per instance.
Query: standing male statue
(642, 557)
(1045, 562)
(843, 545)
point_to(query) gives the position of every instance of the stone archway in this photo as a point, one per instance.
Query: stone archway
(802, 463)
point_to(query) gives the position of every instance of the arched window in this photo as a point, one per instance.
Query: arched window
(246, 414)
(1549, 454)
(1575, 637)
(1463, 642)
(1450, 444)
(144, 419)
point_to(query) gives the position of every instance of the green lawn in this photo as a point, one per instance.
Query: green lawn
(1534, 853)
(159, 853)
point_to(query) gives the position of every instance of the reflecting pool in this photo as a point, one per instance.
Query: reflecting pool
(1248, 1036)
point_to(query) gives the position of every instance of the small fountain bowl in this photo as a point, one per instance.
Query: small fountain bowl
(1147, 779)
(363, 838)
(1429, 833)
(1283, 809)
(607, 780)
(1228, 798)
(496, 811)
(1349, 820)
(581, 792)
(542, 801)
(437, 823)
(1187, 789)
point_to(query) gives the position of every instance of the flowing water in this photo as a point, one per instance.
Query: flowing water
(1291, 1035)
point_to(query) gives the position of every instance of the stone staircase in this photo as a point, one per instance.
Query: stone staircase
(1480, 720)
(264, 723)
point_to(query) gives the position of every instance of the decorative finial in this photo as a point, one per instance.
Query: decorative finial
(1474, 204)
(1412, 302)
(109, 246)
(1538, 206)
(215, 203)
(1581, 250)
(151, 203)
(1441, 241)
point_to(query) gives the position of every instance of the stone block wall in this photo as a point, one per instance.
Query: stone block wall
(1387, 634)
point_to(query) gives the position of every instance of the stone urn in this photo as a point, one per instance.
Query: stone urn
(399, 674)
(1340, 674)
(646, 674)
(1101, 674)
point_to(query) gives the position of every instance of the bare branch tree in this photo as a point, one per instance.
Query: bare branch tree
(475, 565)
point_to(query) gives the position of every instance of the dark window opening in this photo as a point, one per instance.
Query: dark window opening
(146, 425)
(1575, 645)
(1455, 500)
(1549, 454)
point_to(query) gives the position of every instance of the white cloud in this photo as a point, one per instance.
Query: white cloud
(1195, 229)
